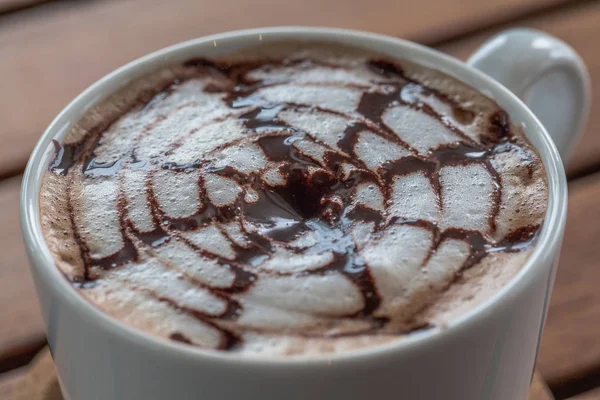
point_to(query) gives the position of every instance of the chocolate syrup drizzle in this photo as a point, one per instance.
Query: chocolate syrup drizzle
(317, 196)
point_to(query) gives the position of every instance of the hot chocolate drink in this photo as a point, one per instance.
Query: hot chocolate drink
(292, 199)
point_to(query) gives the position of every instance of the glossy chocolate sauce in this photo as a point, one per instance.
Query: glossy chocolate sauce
(316, 198)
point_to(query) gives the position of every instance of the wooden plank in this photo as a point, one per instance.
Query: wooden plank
(8, 382)
(578, 26)
(13, 5)
(40, 383)
(21, 332)
(570, 347)
(593, 395)
(42, 69)
(539, 390)
(50, 57)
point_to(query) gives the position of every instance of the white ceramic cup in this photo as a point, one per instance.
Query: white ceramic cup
(487, 354)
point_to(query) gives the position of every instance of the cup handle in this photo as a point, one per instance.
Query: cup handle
(544, 72)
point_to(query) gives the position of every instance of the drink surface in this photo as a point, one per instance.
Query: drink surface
(292, 199)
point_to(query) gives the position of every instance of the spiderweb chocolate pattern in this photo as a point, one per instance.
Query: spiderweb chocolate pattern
(301, 196)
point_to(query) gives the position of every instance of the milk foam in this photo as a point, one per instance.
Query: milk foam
(294, 200)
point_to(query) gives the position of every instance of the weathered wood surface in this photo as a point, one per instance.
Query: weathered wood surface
(53, 51)
(51, 56)
(21, 333)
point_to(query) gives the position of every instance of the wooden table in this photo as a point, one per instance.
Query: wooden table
(50, 51)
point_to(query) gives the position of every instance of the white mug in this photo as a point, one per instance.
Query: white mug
(487, 354)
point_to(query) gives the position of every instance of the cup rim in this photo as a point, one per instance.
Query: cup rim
(550, 235)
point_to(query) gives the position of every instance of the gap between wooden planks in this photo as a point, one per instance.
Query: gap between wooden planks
(51, 56)
(13, 5)
(39, 382)
(593, 395)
